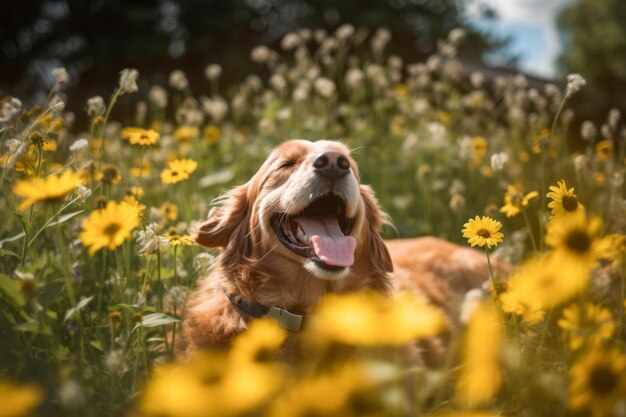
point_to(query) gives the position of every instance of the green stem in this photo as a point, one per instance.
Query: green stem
(530, 230)
(114, 97)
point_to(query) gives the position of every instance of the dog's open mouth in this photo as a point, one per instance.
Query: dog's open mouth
(321, 232)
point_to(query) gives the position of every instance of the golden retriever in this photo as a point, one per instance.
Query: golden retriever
(303, 227)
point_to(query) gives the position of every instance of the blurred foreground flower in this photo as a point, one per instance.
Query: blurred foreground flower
(541, 284)
(598, 381)
(370, 319)
(576, 238)
(110, 226)
(47, 190)
(344, 391)
(483, 231)
(215, 384)
(480, 374)
(593, 325)
(18, 400)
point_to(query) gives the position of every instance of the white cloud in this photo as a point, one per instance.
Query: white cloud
(542, 13)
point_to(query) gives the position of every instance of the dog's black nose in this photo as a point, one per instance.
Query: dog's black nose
(332, 165)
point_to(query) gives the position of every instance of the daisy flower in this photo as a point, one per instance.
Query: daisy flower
(598, 381)
(593, 325)
(178, 170)
(564, 201)
(46, 190)
(177, 240)
(577, 237)
(515, 201)
(109, 227)
(483, 232)
(138, 136)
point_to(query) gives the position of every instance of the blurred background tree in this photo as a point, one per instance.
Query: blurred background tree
(594, 44)
(94, 39)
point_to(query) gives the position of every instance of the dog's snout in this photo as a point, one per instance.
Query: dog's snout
(332, 165)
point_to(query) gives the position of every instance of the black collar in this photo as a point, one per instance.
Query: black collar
(288, 320)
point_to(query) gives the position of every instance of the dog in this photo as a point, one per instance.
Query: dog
(302, 227)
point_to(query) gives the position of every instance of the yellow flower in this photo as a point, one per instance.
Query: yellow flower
(186, 165)
(370, 319)
(478, 145)
(599, 177)
(109, 174)
(341, 391)
(110, 226)
(445, 118)
(259, 343)
(598, 381)
(169, 211)
(184, 391)
(401, 90)
(398, 125)
(593, 327)
(132, 200)
(615, 248)
(483, 231)
(515, 200)
(564, 201)
(542, 142)
(604, 149)
(480, 374)
(212, 133)
(172, 176)
(577, 238)
(19, 400)
(184, 134)
(542, 284)
(45, 190)
(136, 191)
(138, 136)
(177, 240)
(513, 302)
(178, 170)
(143, 170)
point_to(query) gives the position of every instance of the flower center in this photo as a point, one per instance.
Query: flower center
(578, 241)
(112, 229)
(484, 233)
(174, 173)
(570, 203)
(602, 380)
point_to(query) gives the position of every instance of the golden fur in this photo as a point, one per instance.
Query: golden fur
(255, 265)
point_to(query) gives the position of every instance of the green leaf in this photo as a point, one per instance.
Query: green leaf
(156, 319)
(7, 252)
(34, 327)
(10, 288)
(24, 222)
(79, 306)
(97, 344)
(12, 238)
(50, 293)
(64, 218)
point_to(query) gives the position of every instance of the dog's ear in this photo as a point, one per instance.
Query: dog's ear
(228, 227)
(376, 256)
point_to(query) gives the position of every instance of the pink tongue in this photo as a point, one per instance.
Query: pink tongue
(329, 242)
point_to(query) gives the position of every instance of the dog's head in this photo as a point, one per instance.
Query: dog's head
(305, 213)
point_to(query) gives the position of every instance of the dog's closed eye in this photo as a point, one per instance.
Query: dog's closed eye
(288, 163)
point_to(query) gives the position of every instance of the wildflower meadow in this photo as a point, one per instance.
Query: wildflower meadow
(98, 259)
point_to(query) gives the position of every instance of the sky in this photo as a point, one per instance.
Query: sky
(531, 24)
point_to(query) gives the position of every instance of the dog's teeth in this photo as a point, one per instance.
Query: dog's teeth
(302, 237)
